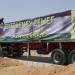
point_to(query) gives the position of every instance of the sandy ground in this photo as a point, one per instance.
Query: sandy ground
(14, 67)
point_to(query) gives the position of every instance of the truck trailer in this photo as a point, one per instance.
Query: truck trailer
(54, 33)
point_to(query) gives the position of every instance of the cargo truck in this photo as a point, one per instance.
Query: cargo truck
(54, 33)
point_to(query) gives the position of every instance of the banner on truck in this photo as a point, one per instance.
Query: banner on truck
(46, 28)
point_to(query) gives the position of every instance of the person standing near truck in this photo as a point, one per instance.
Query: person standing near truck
(1, 30)
(1, 21)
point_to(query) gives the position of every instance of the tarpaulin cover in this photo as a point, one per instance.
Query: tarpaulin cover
(54, 27)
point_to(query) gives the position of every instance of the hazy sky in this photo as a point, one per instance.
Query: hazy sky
(14, 10)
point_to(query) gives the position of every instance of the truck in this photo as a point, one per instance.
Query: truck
(54, 33)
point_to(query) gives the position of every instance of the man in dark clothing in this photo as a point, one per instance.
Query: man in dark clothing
(1, 26)
(1, 21)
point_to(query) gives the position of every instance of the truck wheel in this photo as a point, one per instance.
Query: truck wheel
(20, 52)
(58, 57)
(5, 54)
(71, 57)
(14, 55)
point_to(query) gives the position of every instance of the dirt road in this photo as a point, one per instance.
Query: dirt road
(13, 67)
(9, 66)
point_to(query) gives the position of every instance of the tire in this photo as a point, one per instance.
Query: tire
(5, 54)
(58, 57)
(71, 57)
(20, 52)
(66, 53)
(15, 55)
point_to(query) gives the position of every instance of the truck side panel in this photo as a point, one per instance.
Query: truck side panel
(46, 28)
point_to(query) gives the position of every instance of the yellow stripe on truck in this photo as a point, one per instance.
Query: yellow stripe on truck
(73, 24)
